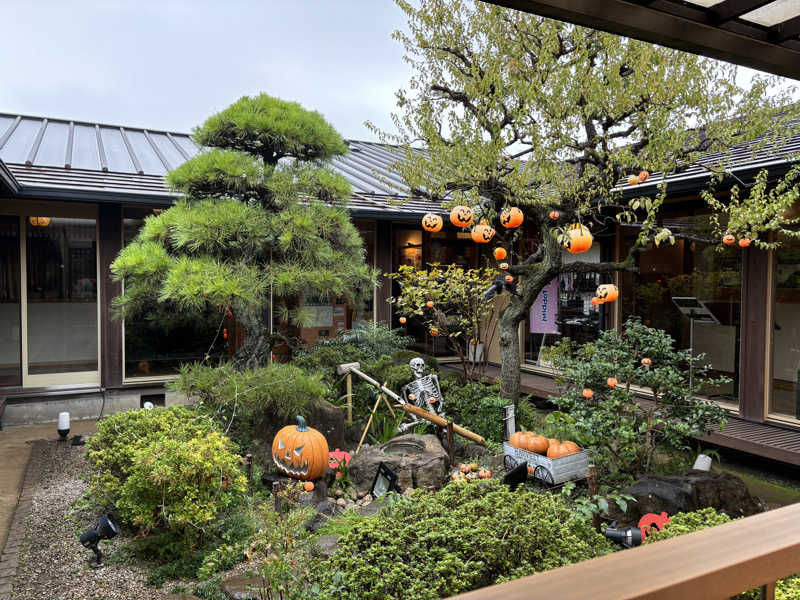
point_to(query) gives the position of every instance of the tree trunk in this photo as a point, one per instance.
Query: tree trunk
(510, 355)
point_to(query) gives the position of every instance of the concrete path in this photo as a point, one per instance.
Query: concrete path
(15, 449)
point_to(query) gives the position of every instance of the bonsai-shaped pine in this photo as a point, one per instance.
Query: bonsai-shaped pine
(260, 212)
(458, 313)
(622, 432)
(516, 110)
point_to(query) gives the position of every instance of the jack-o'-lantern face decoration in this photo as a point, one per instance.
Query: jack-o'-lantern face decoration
(607, 292)
(504, 266)
(432, 222)
(300, 451)
(482, 233)
(461, 216)
(511, 217)
(579, 239)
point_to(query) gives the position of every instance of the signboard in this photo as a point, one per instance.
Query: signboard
(544, 311)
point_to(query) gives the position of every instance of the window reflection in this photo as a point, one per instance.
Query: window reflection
(785, 399)
(10, 343)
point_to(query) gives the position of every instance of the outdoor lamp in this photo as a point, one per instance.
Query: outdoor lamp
(385, 481)
(105, 529)
(626, 537)
(63, 425)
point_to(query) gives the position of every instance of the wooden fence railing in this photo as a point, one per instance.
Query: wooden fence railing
(713, 564)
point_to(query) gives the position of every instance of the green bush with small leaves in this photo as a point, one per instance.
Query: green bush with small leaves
(466, 536)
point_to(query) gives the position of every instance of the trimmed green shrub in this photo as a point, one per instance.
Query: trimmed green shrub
(120, 437)
(466, 536)
(181, 485)
(371, 339)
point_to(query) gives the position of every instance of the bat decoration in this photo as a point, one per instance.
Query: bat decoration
(498, 285)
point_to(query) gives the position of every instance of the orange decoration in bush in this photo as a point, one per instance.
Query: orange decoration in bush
(461, 216)
(434, 331)
(503, 266)
(728, 239)
(482, 233)
(511, 217)
(643, 176)
(411, 397)
(530, 470)
(300, 451)
(633, 180)
(554, 214)
(484, 474)
(744, 242)
(308, 486)
(432, 222)
(647, 362)
(612, 382)
(429, 304)
(509, 278)
(596, 301)
(580, 239)
(402, 320)
(607, 292)
(587, 393)
(500, 253)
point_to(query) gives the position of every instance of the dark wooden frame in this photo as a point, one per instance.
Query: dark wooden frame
(109, 220)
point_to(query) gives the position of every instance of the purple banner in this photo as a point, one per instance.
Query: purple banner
(545, 309)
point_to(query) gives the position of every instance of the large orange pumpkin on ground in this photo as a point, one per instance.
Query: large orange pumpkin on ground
(300, 451)
(511, 217)
(482, 233)
(461, 216)
(432, 222)
(579, 239)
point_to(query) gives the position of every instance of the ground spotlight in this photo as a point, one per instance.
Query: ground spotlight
(105, 529)
(63, 425)
(630, 537)
(385, 481)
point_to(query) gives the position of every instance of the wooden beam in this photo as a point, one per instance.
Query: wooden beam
(657, 26)
(732, 9)
(753, 343)
(110, 243)
(786, 30)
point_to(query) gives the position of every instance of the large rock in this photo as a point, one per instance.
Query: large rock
(419, 461)
(685, 493)
(242, 587)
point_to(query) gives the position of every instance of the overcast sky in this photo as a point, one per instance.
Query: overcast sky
(170, 64)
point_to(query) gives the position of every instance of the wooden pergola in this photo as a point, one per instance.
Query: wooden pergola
(761, 34)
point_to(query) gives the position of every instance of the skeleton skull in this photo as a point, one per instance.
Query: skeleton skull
(417, 366)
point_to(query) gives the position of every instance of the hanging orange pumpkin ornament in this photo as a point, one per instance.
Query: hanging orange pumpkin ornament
(500, 253)
(402, 320)
(300, 451)
(509, 278)
(461, 216)
(611, 382)
(434, 331)
(482, 233)
(587, 393)
(511, 217)
(607, 292)
(643, 176)
(432, 222)
(646, 362)
(504, 266)
(728, 239)
(633, 180)
(596, 301)
(554, 214)
(579, 239)
(429, 304)
(744, 242)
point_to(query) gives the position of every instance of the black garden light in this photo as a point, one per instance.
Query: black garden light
(105, 529)
(630, 537)
(385, 481)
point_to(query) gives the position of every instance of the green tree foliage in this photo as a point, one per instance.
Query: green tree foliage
(464, 537)
(623, 433)
(459, 313)
(260, 212)
(519, 110)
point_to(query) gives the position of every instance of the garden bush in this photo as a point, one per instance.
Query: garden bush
(371, 339)
(181, 485)
(466, 536)
(120, 437)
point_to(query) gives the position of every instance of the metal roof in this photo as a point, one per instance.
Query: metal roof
(761, 34)
(76, 160)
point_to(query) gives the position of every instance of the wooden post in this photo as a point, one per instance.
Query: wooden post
(591, 478)
(349, 384)
(451, 443)
(277, 486)
(249, 460)
(369, 421)
(768, 591)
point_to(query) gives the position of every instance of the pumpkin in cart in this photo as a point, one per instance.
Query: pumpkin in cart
(518, 440)
(300, 451)
(560, 449)
(536, 443)
(572, 445)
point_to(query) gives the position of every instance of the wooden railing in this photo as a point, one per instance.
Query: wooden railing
(713, 564)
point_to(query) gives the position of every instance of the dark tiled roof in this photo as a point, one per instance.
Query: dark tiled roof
(56, 158)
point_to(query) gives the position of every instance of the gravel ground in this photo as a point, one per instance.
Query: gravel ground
(53, 564)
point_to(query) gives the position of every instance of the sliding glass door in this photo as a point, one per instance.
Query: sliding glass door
(10, 297)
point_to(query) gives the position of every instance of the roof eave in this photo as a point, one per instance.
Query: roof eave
(7, 180)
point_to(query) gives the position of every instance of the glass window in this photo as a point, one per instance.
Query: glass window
(690, 270)
(61, 258)
(368, 233)
(453, 247)
(785, 398)
(10, 343)
(157, 344)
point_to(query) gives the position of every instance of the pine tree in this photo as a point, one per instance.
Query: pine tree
(260, 213)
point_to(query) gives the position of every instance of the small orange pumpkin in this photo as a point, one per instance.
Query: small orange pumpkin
(300, 452)
(580, 239)
(612, 382)
(429, 304)
(432, 222)
(504, 266)
(464, 468)
(402, 320)
(500, 253)
(647, 362)
(530, 470)
(643, 176)
(633, 180)
(308, 486)
(607, 292)
(728, 239)
(511, 217)
(554, 214)
(536, 443)
(587, 393)
(509, 278)
(744, 242)
(461, 216)
(434, 331)
(485, 474)
(482, 233)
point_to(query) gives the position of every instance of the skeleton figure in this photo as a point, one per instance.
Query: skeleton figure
(425, 389)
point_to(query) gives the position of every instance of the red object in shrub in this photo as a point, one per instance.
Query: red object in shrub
(652, 520)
